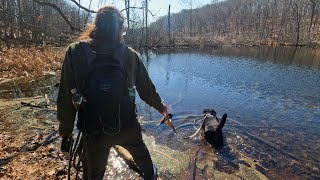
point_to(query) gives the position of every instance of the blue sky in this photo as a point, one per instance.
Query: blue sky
(157, 6)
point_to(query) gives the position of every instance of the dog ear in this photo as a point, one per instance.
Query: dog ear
(223, 121)
(205, 111)
(213, 112)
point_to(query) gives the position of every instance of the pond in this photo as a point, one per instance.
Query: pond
(271, 96)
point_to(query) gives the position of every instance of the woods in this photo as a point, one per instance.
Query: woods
(56, 23)
(247, 22)
(26, 22)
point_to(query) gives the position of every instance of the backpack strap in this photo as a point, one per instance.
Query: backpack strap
(89, 53)
(119, 56)
(90, 56)
(119, 52)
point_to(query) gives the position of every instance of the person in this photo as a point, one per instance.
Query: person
(100, 127)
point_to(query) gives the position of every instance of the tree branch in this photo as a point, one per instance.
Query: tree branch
(60, 12)
(134, 7)
(131, 8)
(154, 44)
(86, 21)
(84, 8)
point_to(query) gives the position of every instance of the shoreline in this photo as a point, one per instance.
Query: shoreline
(220, 45)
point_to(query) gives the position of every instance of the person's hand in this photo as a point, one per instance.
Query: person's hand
(66, 145)
(168, 120)
(165, 110)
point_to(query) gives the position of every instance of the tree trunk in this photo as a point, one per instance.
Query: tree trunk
(169, 27)
(21, 29)
(127, 5)
(146, 44)
(190, 23)
(314, 4)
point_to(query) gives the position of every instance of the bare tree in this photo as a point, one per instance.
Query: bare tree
(298, 9)
(169, 27)
(38, 21)
(269, 22)
(189, 4)
(127, 7)
(23, 22)
(146, 21)
(313, 4)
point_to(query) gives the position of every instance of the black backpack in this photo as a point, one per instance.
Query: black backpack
(106, 108)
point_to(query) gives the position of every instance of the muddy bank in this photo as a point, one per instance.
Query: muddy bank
(20, 87)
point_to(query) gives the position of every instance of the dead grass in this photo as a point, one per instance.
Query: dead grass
(34, 62)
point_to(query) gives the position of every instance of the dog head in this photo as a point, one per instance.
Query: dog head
(209, 111)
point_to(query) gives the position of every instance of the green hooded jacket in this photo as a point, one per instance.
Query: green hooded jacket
(75, 59)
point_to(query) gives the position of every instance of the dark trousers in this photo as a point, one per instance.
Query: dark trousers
(97, 147)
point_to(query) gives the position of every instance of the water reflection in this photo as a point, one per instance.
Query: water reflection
(283, 55)
(168, 69)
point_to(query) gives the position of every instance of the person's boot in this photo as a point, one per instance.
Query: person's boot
(155, 172)
(153, 176)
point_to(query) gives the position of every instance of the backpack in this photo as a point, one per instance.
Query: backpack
(106, 108)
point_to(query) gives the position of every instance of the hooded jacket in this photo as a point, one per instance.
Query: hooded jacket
(75, 59)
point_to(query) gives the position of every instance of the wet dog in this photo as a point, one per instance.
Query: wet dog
(212, 127)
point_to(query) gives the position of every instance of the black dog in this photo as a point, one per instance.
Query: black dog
(212, 127)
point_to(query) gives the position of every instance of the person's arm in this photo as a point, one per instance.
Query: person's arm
(65, 109)
(146, 89)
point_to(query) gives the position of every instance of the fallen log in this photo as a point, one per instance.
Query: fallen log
(33, 105)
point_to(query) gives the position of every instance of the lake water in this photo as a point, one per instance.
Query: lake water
(271, 96)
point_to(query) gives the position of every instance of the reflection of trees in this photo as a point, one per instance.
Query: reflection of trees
(187, 74)
(287, 55)
(292, 57)
(168, 69)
